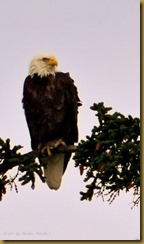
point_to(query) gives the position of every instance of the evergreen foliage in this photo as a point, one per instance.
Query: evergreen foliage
(111, 155)
(110, 158)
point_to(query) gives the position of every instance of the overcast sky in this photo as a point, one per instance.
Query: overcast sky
(97, 41)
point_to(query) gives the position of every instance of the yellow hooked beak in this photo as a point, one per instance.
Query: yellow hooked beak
(51, 61)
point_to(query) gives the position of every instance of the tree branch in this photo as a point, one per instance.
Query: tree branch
(18, 159)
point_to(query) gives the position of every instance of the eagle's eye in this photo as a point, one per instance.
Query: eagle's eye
(45, 59)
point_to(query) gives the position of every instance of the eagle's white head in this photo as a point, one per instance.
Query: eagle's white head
(43, 65)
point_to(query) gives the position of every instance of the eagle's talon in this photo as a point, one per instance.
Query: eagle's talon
(59, 142)
(49, 151)
(50, 146)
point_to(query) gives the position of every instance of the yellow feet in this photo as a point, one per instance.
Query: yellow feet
(50, 145)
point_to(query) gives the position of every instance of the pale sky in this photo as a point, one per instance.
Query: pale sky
(97, 41)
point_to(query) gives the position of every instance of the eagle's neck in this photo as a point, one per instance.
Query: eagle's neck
(41, 69)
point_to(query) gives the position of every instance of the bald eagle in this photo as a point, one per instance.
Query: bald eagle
(51, 101)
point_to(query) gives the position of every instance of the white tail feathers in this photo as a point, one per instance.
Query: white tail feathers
(54, 171)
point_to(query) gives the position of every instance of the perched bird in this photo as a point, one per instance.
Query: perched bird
(51, 101)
